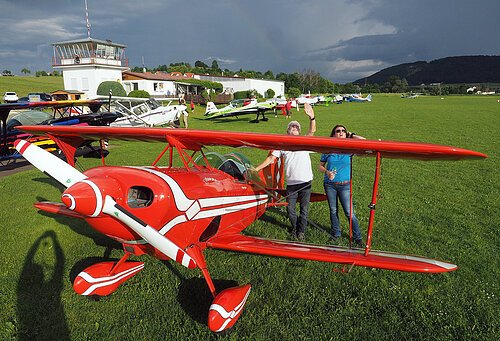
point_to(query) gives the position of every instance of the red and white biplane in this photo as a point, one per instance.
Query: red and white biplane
(177, 212)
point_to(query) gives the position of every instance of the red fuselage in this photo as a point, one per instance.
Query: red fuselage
(187, 206)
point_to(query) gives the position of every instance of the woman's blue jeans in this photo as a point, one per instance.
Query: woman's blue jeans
(334, 191)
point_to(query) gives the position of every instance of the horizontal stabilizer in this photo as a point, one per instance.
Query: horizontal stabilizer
(331, 254)
(57, 208)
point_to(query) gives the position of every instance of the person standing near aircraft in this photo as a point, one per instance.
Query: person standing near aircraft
(288, 107)
(184, 113)
(298, 174)
(192, 106)
(337, 184)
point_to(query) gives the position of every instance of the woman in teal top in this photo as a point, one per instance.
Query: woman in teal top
(337, 183)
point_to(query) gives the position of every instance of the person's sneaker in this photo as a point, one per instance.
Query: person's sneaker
(359, 243)
(301, 236)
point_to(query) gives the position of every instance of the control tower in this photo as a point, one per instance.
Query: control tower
(86, 63)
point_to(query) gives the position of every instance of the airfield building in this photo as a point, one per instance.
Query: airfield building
(86, 63)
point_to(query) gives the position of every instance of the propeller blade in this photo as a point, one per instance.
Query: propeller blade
(49, 163)
(148, 233)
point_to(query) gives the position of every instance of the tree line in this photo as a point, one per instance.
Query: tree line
(26, 72)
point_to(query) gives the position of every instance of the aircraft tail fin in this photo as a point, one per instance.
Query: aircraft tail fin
(369, 97)
(211, 108)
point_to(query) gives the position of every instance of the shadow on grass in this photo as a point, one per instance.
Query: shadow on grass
(50, 181)
(269, 217)
(82, 228)
(39, 307)
(195, 297)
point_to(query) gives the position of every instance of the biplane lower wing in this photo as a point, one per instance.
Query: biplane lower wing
(195, 139)
(330, 254)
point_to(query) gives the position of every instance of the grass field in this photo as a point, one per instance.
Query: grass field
(443, 210)
(23, 85)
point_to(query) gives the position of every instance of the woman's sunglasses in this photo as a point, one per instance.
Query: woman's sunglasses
(338, 131)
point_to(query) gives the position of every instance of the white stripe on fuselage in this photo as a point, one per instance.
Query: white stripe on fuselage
(193, 209)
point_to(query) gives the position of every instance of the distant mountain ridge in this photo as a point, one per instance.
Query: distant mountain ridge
(449, 70)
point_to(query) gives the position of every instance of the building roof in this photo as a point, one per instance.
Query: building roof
(160, 76)
(89, 40)
(74, 92)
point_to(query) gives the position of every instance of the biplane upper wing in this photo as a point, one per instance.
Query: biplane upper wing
(195, 139)
(331, 254)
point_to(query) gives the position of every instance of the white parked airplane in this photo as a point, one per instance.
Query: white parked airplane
(145, 112)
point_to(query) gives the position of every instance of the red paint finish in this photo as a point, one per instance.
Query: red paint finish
(100, 280)
(227, 307)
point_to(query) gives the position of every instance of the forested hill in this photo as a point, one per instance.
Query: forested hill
(450, 70)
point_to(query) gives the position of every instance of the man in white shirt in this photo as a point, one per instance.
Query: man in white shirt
(298, 175)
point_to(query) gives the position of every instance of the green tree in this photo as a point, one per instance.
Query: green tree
(41, 73)
(116, 88)
(199, 63)
(294, 92)
(6, 73)
(215, 65)
(268, 75)
(26, 71)
(270, 93)
(139, 94)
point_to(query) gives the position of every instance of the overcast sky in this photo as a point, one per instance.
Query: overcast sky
(343, 40)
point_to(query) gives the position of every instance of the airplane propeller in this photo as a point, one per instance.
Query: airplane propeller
(49, 163)
(83, 195)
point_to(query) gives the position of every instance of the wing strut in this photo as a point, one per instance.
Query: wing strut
(373, 203)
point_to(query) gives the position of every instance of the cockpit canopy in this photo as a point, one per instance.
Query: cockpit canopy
(234, 164)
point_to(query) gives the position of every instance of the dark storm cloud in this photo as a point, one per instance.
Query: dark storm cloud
(343, 40)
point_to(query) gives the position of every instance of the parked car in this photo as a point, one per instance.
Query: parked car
(10, 97)
(39, 97)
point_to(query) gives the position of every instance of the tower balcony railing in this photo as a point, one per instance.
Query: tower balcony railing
(89, 60)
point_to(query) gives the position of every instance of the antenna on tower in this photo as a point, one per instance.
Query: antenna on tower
(143, 68)
(87, 18)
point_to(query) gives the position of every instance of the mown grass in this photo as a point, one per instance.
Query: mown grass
(23, 85)
(444, 210)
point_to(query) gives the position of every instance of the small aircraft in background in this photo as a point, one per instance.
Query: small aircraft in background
(239, 107)
(144, 112)
(358, 98)
(410, 95)
(177, 212)
(303, 99)
(25, 114)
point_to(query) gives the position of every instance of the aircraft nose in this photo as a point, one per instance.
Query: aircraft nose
(83, 197)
